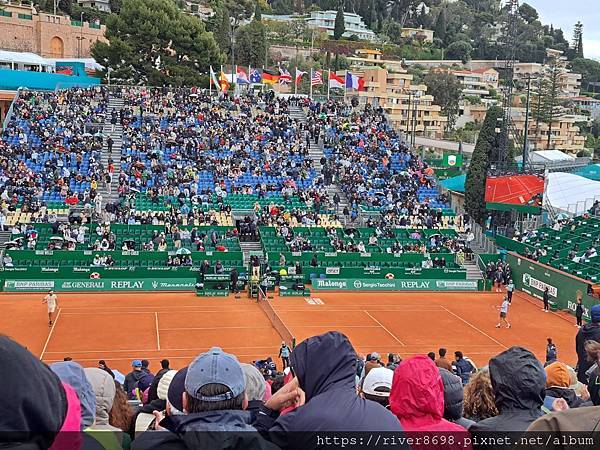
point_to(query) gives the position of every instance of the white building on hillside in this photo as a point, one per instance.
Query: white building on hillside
(325, 20)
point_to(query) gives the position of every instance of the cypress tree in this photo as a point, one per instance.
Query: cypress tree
(340, 26)
(487, 145)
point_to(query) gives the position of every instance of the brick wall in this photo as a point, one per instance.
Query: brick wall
(39, 35)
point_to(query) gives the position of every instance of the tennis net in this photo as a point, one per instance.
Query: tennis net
(276, 321)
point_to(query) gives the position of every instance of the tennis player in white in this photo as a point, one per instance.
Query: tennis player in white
(51, 301)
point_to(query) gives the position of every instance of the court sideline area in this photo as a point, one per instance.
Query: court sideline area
(121, 327)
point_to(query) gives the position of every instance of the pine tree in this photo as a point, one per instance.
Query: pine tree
(440, 26)
(487, 144)
(340, 26)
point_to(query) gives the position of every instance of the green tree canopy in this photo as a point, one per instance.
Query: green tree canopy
(153, 42)
(446, 91)
(251, 45)
(459, 50)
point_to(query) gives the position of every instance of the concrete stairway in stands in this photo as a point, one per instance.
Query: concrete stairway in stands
(4, 238)
(316, 153)
(248, 248)
(114, 104)
(473, 271)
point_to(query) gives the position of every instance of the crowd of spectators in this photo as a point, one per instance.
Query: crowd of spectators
(367, 159)
(330, 388)
(50, 149)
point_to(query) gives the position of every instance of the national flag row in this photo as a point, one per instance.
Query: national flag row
(283, 77)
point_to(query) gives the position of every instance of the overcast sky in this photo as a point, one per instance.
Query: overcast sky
(565, 13)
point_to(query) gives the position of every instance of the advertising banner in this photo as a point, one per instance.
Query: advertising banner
(156, 284)
(365, 284)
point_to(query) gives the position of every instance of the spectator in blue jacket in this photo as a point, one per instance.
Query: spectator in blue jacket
(464, 368)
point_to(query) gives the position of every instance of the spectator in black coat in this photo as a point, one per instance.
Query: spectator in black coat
(325, 369)
(589, 332)
(519, 384)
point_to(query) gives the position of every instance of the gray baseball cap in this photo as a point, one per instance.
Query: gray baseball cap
(215, 367)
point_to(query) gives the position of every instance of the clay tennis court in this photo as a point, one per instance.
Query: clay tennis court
(121, 327)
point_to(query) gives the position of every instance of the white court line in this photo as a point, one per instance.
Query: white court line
(167, 355)
(216, 328)
(157, 332)
(50, 334)
(476, 329)
(145, 350)
(383, 326)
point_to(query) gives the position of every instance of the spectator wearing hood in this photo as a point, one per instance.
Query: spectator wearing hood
(417, 397)
(36, 406)
(325, 369)
(519, 382)
(105, 390)
(133, 377)
(454, 399)
(558, 382)
(73, 374)
(589, 332)
(214, 402)
(255, 389)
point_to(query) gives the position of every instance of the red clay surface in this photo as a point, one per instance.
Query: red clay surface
(121, 327)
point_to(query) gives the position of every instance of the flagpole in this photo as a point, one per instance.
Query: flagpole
(311, 87)
(296, 82)
(345, 82)
(328, 82)
(210, 82)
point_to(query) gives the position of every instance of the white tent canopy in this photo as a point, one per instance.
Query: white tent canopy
(549, 156)
(570, 193)
(27, 58)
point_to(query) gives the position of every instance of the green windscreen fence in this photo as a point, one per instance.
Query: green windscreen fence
(564, 289)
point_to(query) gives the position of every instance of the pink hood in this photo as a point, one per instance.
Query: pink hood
(417, 396)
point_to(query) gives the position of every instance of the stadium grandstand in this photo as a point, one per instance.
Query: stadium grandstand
(195, 252)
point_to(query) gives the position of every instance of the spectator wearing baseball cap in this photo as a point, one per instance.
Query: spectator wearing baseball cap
(377, 385)
(132, 379)
(214, 401)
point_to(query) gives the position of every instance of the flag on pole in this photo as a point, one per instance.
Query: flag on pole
(242, 76)
(336, 81)
(284, 76)
(354, 82)
(269, 77)
(224, 82)
(213, 79)
(317, 78)
(299, 75)
(255, 76)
